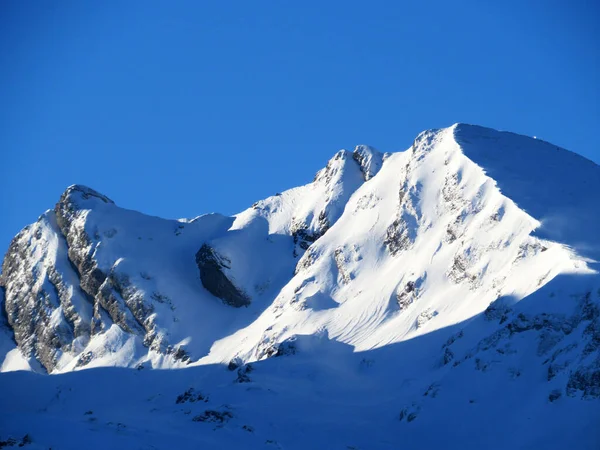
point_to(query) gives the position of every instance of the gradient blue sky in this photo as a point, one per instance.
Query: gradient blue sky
(181, 109)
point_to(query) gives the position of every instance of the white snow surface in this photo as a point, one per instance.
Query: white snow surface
(410, 251)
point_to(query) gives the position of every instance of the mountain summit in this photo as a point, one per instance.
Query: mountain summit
(452, 287)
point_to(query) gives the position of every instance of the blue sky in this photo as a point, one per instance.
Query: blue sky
(177, 110)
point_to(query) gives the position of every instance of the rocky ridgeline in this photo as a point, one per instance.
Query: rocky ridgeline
(57, 297)
(60, 291)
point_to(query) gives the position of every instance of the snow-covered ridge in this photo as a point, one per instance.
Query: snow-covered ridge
(460, 213)
(557, 187)
(472, 251)
(145, 283)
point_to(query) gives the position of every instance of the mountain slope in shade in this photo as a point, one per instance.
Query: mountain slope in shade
(451, 288)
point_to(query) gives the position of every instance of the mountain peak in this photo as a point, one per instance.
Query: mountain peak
(460, 267)
(555, 186)
(84, 193)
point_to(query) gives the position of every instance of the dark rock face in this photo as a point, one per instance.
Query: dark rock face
(44, 311)
(211, 266)
(369, 160)
(110, 291)
(56, 296)
(191, 396)
(303, 237)
(243, 374)
(401, 233)
(79, 242)
(397, 238)
(214, 416)
(119, 298)
(24, 313)
(407, 294)
(585, 382)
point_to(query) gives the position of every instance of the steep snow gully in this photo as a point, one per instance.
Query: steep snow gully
(444, 296)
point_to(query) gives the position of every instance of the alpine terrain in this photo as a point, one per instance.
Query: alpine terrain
(446, 296)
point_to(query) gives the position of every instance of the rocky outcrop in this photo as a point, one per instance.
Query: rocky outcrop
(212, 266)
(48, 313)
(303, 237)
(369, 160)
(58, 297)
(124, 303)
(397, 237)
(70, 217)
(401, 233)
(567, 344)
(111, 290)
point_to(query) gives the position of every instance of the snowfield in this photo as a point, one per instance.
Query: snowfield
(446, 296)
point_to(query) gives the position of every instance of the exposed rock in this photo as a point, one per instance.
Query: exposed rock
(408, 293)
(369, 160)
(285, 348)
(497, 310)
(84, 359)
(448, 356)
(583, 377)
(586, 381)
(459, 270)
(432, 390)
(56, 295)
(306, 261)
(409, 413)
(12, 442)
(234, 364)
(242, 374)
(212, 266)
(191, 396)
(328, 173)
(452, 339)
(69, 212)
(451, 193)
(401, 233)
(341, 264)
(211, 415)
(178, 353)
(303, 238)
(397, 237)
(45, 312)
(425, 317)
(119, 299)
(554, 395)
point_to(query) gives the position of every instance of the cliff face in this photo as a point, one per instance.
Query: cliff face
(45, 304)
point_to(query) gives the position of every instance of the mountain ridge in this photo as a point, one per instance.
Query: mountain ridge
(335, 185)
(463, 266)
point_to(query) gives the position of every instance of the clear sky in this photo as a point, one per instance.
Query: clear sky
(182, 108)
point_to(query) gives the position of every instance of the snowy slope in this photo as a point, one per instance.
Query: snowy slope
(429, 242)
(450, 287)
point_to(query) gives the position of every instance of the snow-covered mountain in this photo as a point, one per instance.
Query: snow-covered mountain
(447, 295)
